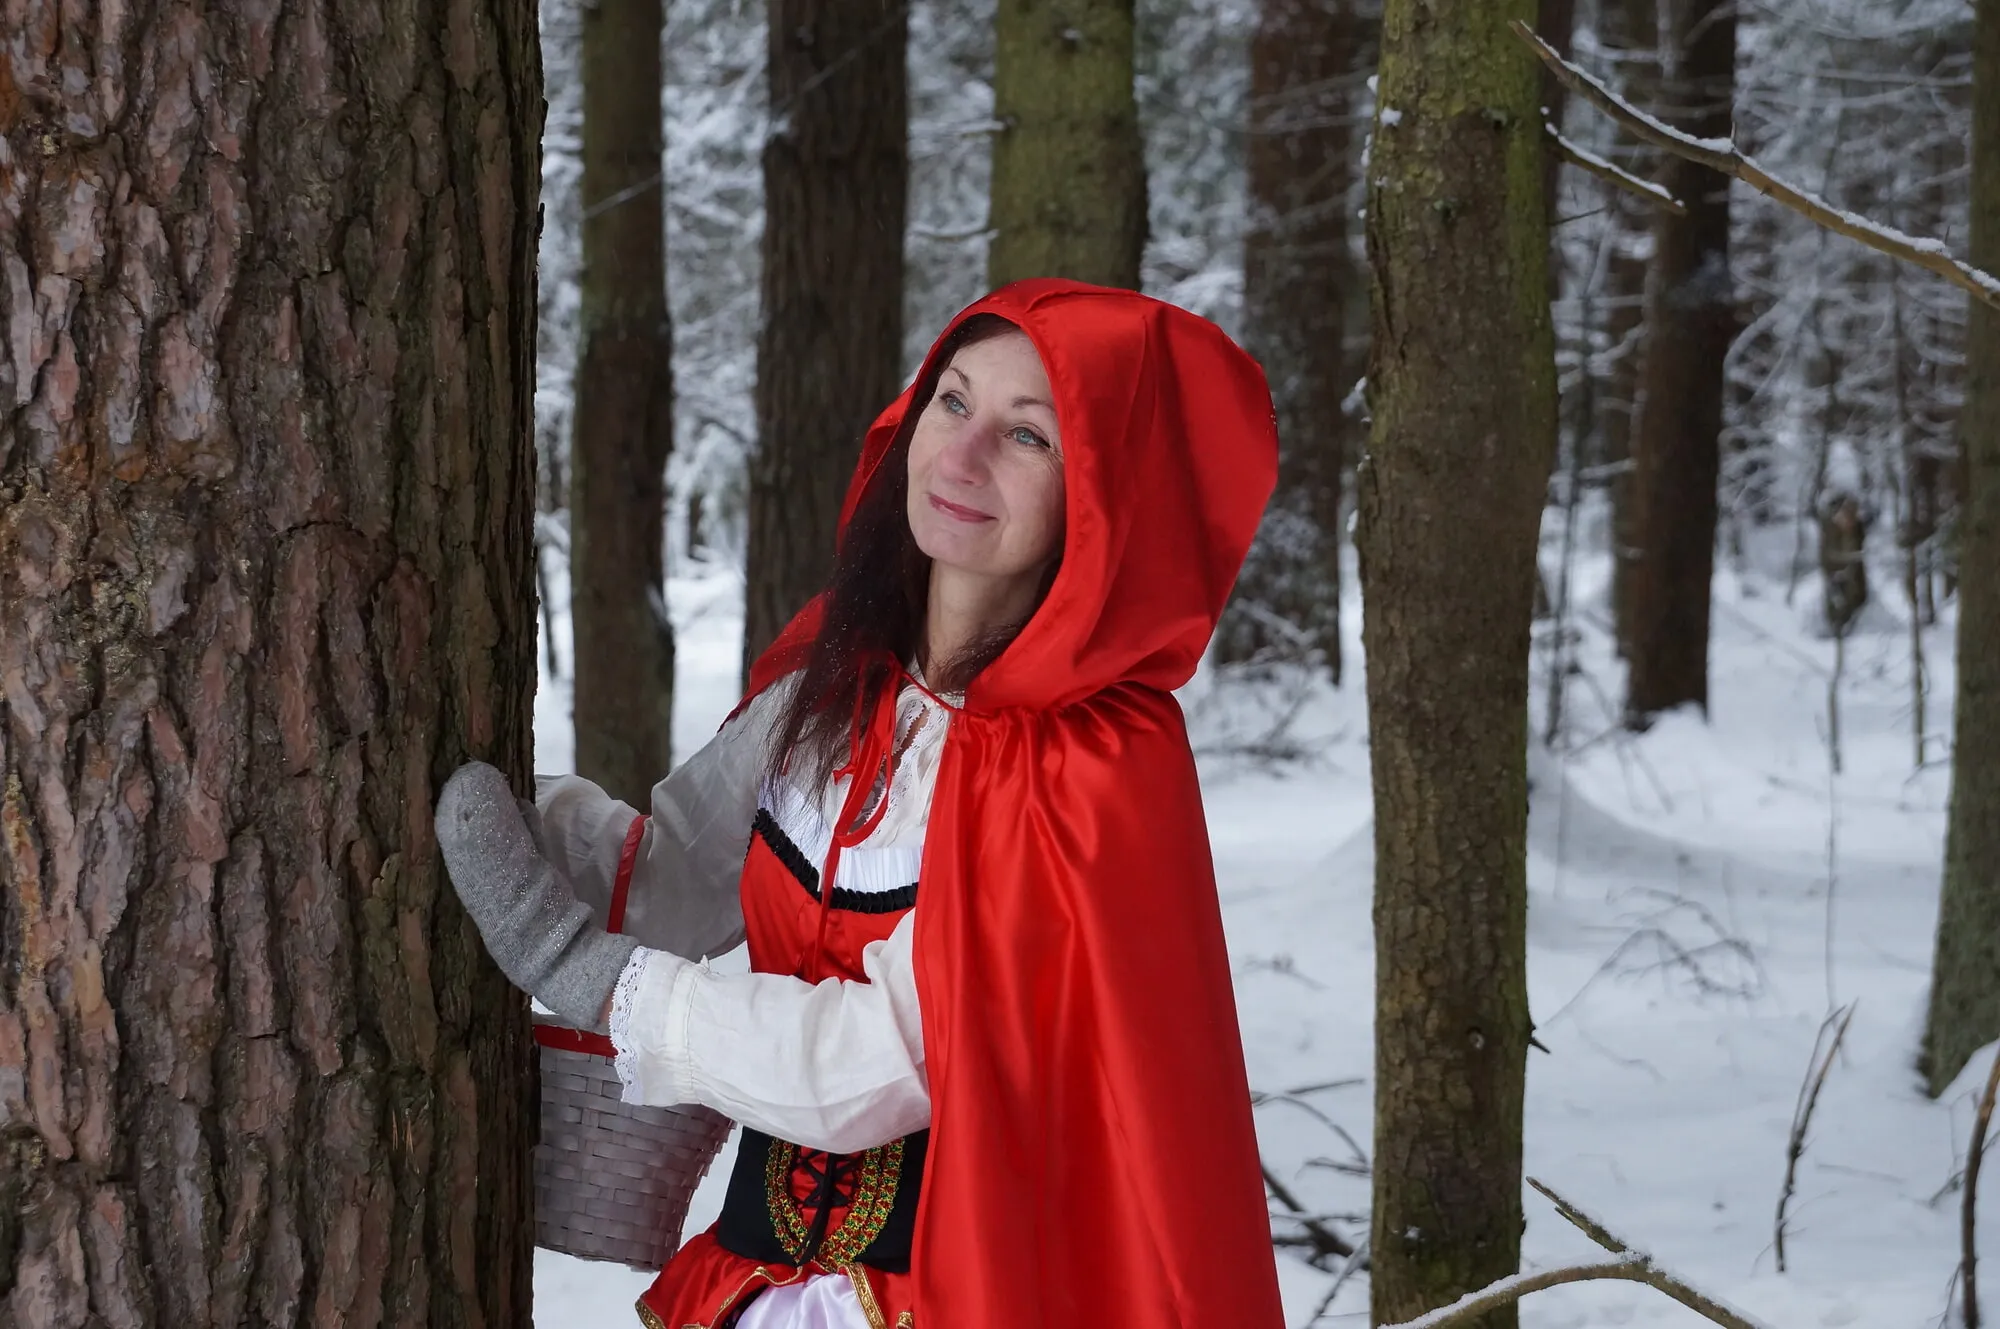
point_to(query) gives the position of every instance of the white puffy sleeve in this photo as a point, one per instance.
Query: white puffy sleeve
(683, 893)
(837, 1065)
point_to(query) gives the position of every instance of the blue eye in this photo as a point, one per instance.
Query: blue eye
(953, 402)
(1029, 437)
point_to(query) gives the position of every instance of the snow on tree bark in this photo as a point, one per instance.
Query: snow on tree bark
(829, 347)
(1069, 171)
(1965, 977)
(1299, 286)
(624, 642)
(1690, 322)
(1462, 392)
(265, 518)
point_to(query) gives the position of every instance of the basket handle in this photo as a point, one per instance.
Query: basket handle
(621, 886)
(563, 1037)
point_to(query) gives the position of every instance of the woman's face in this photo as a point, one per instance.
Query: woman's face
(986, 474)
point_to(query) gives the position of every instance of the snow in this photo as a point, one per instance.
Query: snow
(1683, 949)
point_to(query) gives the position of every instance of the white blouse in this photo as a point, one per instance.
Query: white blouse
(836, 1065)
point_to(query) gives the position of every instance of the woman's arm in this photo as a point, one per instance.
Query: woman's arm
(836, 1065)
(683, 893)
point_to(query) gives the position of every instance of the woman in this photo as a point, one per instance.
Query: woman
(988, 1065)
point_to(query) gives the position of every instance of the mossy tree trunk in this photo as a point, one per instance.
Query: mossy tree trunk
(1965, 980)
(1690, 323)
(1461, 387)
(1069, 170)
(624, 422)
(266, 506)
(1299, 285)
(829, 350)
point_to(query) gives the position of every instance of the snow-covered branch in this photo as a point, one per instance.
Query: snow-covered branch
(1722, 155)
(1614, 175)
(1633, 1266)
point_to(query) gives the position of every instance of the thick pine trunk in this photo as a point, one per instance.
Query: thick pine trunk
(1069, 171)
(1462, 390)
(266, 503)
(1965, 980)
(1690, 322)
(624, 642)
(1299, 284)
(829, 351)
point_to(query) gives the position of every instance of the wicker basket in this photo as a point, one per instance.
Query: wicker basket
(613, 1181)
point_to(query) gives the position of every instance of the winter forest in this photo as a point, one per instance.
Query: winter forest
(1600, 748)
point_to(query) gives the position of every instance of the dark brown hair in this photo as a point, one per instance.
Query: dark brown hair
(874, 601)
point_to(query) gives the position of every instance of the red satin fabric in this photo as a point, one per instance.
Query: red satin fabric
(1092, 1160)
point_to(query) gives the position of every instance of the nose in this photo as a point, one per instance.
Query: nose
(967, 456)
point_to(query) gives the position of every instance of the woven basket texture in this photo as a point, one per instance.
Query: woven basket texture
(612, 1180)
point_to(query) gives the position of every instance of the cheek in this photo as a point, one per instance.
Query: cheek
(1044, 501)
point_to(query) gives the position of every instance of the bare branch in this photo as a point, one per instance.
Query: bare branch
(1816, 1068)
(1613, 174)
(1721, 154)
(1967, 1215)
(1323, 1239)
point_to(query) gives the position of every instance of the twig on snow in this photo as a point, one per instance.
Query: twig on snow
(1969, 1258)
(1722, 155)
(1820, 1063)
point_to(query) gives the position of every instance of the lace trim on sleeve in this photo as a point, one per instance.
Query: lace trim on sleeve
(630, 980)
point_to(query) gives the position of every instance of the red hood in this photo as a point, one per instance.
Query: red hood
(1170, 451)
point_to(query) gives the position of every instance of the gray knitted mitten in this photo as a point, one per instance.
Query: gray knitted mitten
(533, 925)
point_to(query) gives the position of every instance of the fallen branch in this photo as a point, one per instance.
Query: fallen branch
(1613, 174)
(1816, 1068)
(1968, 1259)
(1722, 155)
(1323, 1239)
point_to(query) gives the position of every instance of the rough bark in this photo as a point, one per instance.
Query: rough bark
(1965, 978)
(1069, 172)
(623, 431)
(1462, 392)
(266, 503)
(1299, 284)
(1690, 322)
(836, 172)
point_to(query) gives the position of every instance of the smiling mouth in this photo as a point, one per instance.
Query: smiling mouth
(958, 511)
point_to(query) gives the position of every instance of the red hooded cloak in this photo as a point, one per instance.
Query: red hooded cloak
(1092, 1158)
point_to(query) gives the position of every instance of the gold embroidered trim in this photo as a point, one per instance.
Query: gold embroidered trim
(865, 1294)
(907, 1320)
(648, 1316)
(879, 1174)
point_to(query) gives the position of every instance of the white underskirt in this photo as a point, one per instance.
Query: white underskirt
(824, 1301)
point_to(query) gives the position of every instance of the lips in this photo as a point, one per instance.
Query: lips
(958, 511)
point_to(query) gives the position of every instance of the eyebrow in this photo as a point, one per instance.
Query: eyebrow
(1019, 402)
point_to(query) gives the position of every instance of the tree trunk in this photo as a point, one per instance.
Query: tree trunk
(624, 428)
(1965, 979)
(829, 352)
(1299, 283)
(266, 507)
(1690, 322)
(1462, 391)
(1069, 170)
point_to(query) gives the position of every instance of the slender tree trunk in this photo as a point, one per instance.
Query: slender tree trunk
(1462, 391)
(836, 173)
(624, 427)
(1069, 170)
(1299, 282)
(1632, 28)
(1690, 322)
(1965, 980)
(266, 505)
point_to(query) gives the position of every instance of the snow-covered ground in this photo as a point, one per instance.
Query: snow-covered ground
(1684, 948)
